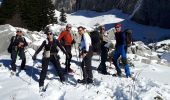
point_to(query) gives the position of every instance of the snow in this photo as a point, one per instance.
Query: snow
(151, 80)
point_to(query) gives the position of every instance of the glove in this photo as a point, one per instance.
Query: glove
(73, 42)
(34, 57)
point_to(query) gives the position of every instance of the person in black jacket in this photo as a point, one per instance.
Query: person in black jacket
(18, 43)
(50, 54)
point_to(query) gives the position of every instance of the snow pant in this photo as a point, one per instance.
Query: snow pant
(86, 65)
(120, 51)
(104, 54)
(68, 60)
(54, 59)
(21, 54)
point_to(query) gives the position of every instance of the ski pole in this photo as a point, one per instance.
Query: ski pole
(76, 51)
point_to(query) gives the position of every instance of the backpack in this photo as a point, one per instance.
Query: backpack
(128, 35)
(9, 49)
(95, 38)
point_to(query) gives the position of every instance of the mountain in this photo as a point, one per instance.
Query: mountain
(148, 12)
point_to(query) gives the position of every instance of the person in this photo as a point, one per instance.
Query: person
(129, 39)
(120, 51)
(66, 37)
(50, 54)
(95, 37)
(18, 44)
(104, 50)
(86, 53)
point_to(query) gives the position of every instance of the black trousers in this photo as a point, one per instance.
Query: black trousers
(21, 54)
(68, 60)
(86, 65)
(54, 59)
(104, 54)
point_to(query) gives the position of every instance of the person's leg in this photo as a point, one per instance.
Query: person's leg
(88, 66)
(124, 61)
(104, 59)
(23, 58)
(116, 55)
(87, 69)
(68, 60)
(43, 73)
(13, 57)
(55, 61)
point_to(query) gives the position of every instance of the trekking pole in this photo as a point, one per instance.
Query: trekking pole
(76, 51)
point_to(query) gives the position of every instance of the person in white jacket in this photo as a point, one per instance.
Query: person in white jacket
(86, 54)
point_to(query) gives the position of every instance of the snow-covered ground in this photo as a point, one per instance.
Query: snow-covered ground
(151, 79)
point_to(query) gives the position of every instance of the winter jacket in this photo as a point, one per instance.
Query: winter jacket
(66, 35)
(85, 42)
(120, 39)
(15, 40)
(52, 46)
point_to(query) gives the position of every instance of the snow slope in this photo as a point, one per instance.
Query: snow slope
(151, 81)
(141, 32)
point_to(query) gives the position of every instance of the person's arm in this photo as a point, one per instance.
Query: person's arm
(61, 35)
(61, 47)
(25, 43)
(86, 41)
(40, 48)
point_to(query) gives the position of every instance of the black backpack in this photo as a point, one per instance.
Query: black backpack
(10, 45)
(95, 38)
(128, 34)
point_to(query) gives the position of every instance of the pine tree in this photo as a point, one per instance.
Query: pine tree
(63, 16)
(36, 14)
(7, 10)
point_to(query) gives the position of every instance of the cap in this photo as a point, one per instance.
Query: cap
(118, 25)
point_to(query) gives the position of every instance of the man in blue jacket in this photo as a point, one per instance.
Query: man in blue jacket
(120, 51)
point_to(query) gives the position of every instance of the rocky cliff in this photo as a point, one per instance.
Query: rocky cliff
(148, 12)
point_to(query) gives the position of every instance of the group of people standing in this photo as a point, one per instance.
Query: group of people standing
(65, 42)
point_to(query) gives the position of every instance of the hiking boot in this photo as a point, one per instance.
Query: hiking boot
(89, 81)
(83, 81)
(117, 75)
(41, 89)
(105, 73)
(62, 78)
(13, 73)
(69, 70)
(23, 69)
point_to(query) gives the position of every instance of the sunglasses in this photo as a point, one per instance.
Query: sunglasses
(80, 30)
(117, 27)
(102, 29)
(19, 31)
(49, 34)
